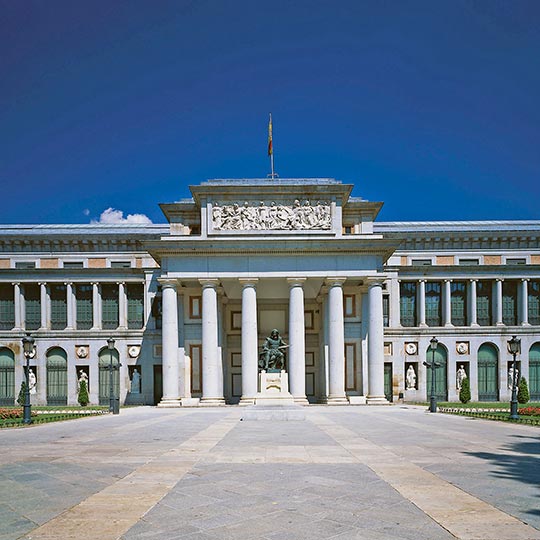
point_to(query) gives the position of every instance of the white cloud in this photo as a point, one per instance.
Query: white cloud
(112, 215)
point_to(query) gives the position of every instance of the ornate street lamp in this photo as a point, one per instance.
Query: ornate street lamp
(433, 344)
(514, 348)
(113, 405)
(29, 350)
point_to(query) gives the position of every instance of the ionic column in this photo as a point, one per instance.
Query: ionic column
(249, 340)
(297, 340)
(122, 306)
(471, 303)
(498, 302)
(524, 304)
(422, 302)
(70, 306)
(44, 305)
(447, 303)
(211, 364)
(17, 304)
(375, 344)
(96, 307)
(336, 342)
(169, 336)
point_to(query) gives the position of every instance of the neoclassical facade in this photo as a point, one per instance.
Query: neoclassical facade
(189, 303)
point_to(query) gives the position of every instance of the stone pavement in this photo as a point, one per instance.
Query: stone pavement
(202, 474)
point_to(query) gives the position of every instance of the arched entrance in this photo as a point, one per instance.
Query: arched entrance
(7, 376)
(534, 372)
(441, 378)
(57, 385)
(488, 380)
(106, 356)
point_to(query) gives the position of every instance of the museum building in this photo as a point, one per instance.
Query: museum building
(188, 304)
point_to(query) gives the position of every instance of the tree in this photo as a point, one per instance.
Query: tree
(465, 392)
(21, 399)
(83, 394)
(523, 391)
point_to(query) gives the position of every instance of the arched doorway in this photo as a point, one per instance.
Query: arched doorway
(441, 378)
(534, 372)
(57, 385)
(7, 376)
(488, 380)
(105, 358)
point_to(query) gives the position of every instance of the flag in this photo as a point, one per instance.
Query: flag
(270, 148)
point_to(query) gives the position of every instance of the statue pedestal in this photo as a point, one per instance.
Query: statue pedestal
(274, 389)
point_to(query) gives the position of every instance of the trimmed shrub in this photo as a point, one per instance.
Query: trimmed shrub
(523, 391)
(22, 394)
(465, 392)
(83, 394)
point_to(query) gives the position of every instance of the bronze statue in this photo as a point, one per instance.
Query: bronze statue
(272, 357)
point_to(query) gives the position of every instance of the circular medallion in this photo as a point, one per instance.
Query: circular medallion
(411, 348)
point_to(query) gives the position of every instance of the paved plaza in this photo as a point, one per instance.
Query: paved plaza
(204, 474)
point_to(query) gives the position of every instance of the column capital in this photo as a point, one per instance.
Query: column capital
(473, 280)
(68, 283)
(167, 283)
(40, 283)
(94, 283)
(209, 283)
(120, 282)
(525, 279)
(375, 281)
(296, 281)
(18, 283)
(335, 281)
(448, 280)
(248, 282)
(499, 279)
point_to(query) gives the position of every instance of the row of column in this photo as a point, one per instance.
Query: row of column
(471, 302)
(212, 369)
(71, 306)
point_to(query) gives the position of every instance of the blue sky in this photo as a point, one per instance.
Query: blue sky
(429, 106)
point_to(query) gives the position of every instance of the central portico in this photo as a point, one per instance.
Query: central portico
(246, 256)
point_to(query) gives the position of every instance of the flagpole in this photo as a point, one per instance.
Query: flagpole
(272, 174)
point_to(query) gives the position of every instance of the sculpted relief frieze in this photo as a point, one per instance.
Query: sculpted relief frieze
(272, 216)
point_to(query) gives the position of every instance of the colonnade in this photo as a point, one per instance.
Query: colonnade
(212, 367)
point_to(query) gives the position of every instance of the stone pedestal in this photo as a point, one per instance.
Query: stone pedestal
(274, 389)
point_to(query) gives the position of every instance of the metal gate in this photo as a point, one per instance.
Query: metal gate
(388, 392)
(441, 378)
(488, 380)
(534, 372)
(57, 385)
(7, 377)
(105, 358)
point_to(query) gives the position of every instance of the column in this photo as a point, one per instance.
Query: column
(70, 306)
(336, 342)
(122, 306)
(422, 303)
(498, 302)
(211, 363)
(44, 305)
(524, 304)
(297, 340)
(96, 307)
(471, 302)
(249, 340)
(375, 344)
(169, 336)
(17, 306)
(447, 302)
(184, 379)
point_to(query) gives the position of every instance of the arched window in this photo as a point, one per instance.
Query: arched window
(441, 379)
(433, 303)
(7, 376)
(534, 372)
(106, 356)
(57, 387)
(488, 380)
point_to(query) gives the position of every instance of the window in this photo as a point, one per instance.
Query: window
(433, 303)
(421, 262)
(349, 305)
(22, 265)
(120, 264)
(58, 307)
(7, 307)
(483, 303)
(407, 303)
(73, 264)
(109, 303)
(195, 307)
(509, 301)
(458, 303)
(32, 306)
(135, 305)
(156, 310)
(469, 262)
(516, 261)
(347, 229)
(386, 310)
(534, 302)
(83, 298)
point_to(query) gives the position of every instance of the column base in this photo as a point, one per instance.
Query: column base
(377, 400)
(525, 324)
(190, 401)
(244, 401)
(337, 400)
(212, 402)
(449, 325)
(170, 402)
(301, 400)
(500, 324)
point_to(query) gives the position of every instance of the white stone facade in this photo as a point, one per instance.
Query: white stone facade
(190, 303)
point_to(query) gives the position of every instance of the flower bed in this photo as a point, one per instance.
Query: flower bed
(502, 415)
(6, 413)
(529, 411)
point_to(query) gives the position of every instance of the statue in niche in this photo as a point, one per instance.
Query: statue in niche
(32, 381)
(460, 375)
(272, 357)
(135, 382)
(410, 379)
(82, 377)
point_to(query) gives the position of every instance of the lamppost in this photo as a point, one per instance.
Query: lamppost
(114, 406)
(29, 351)
(433, 344)
(514, 348)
